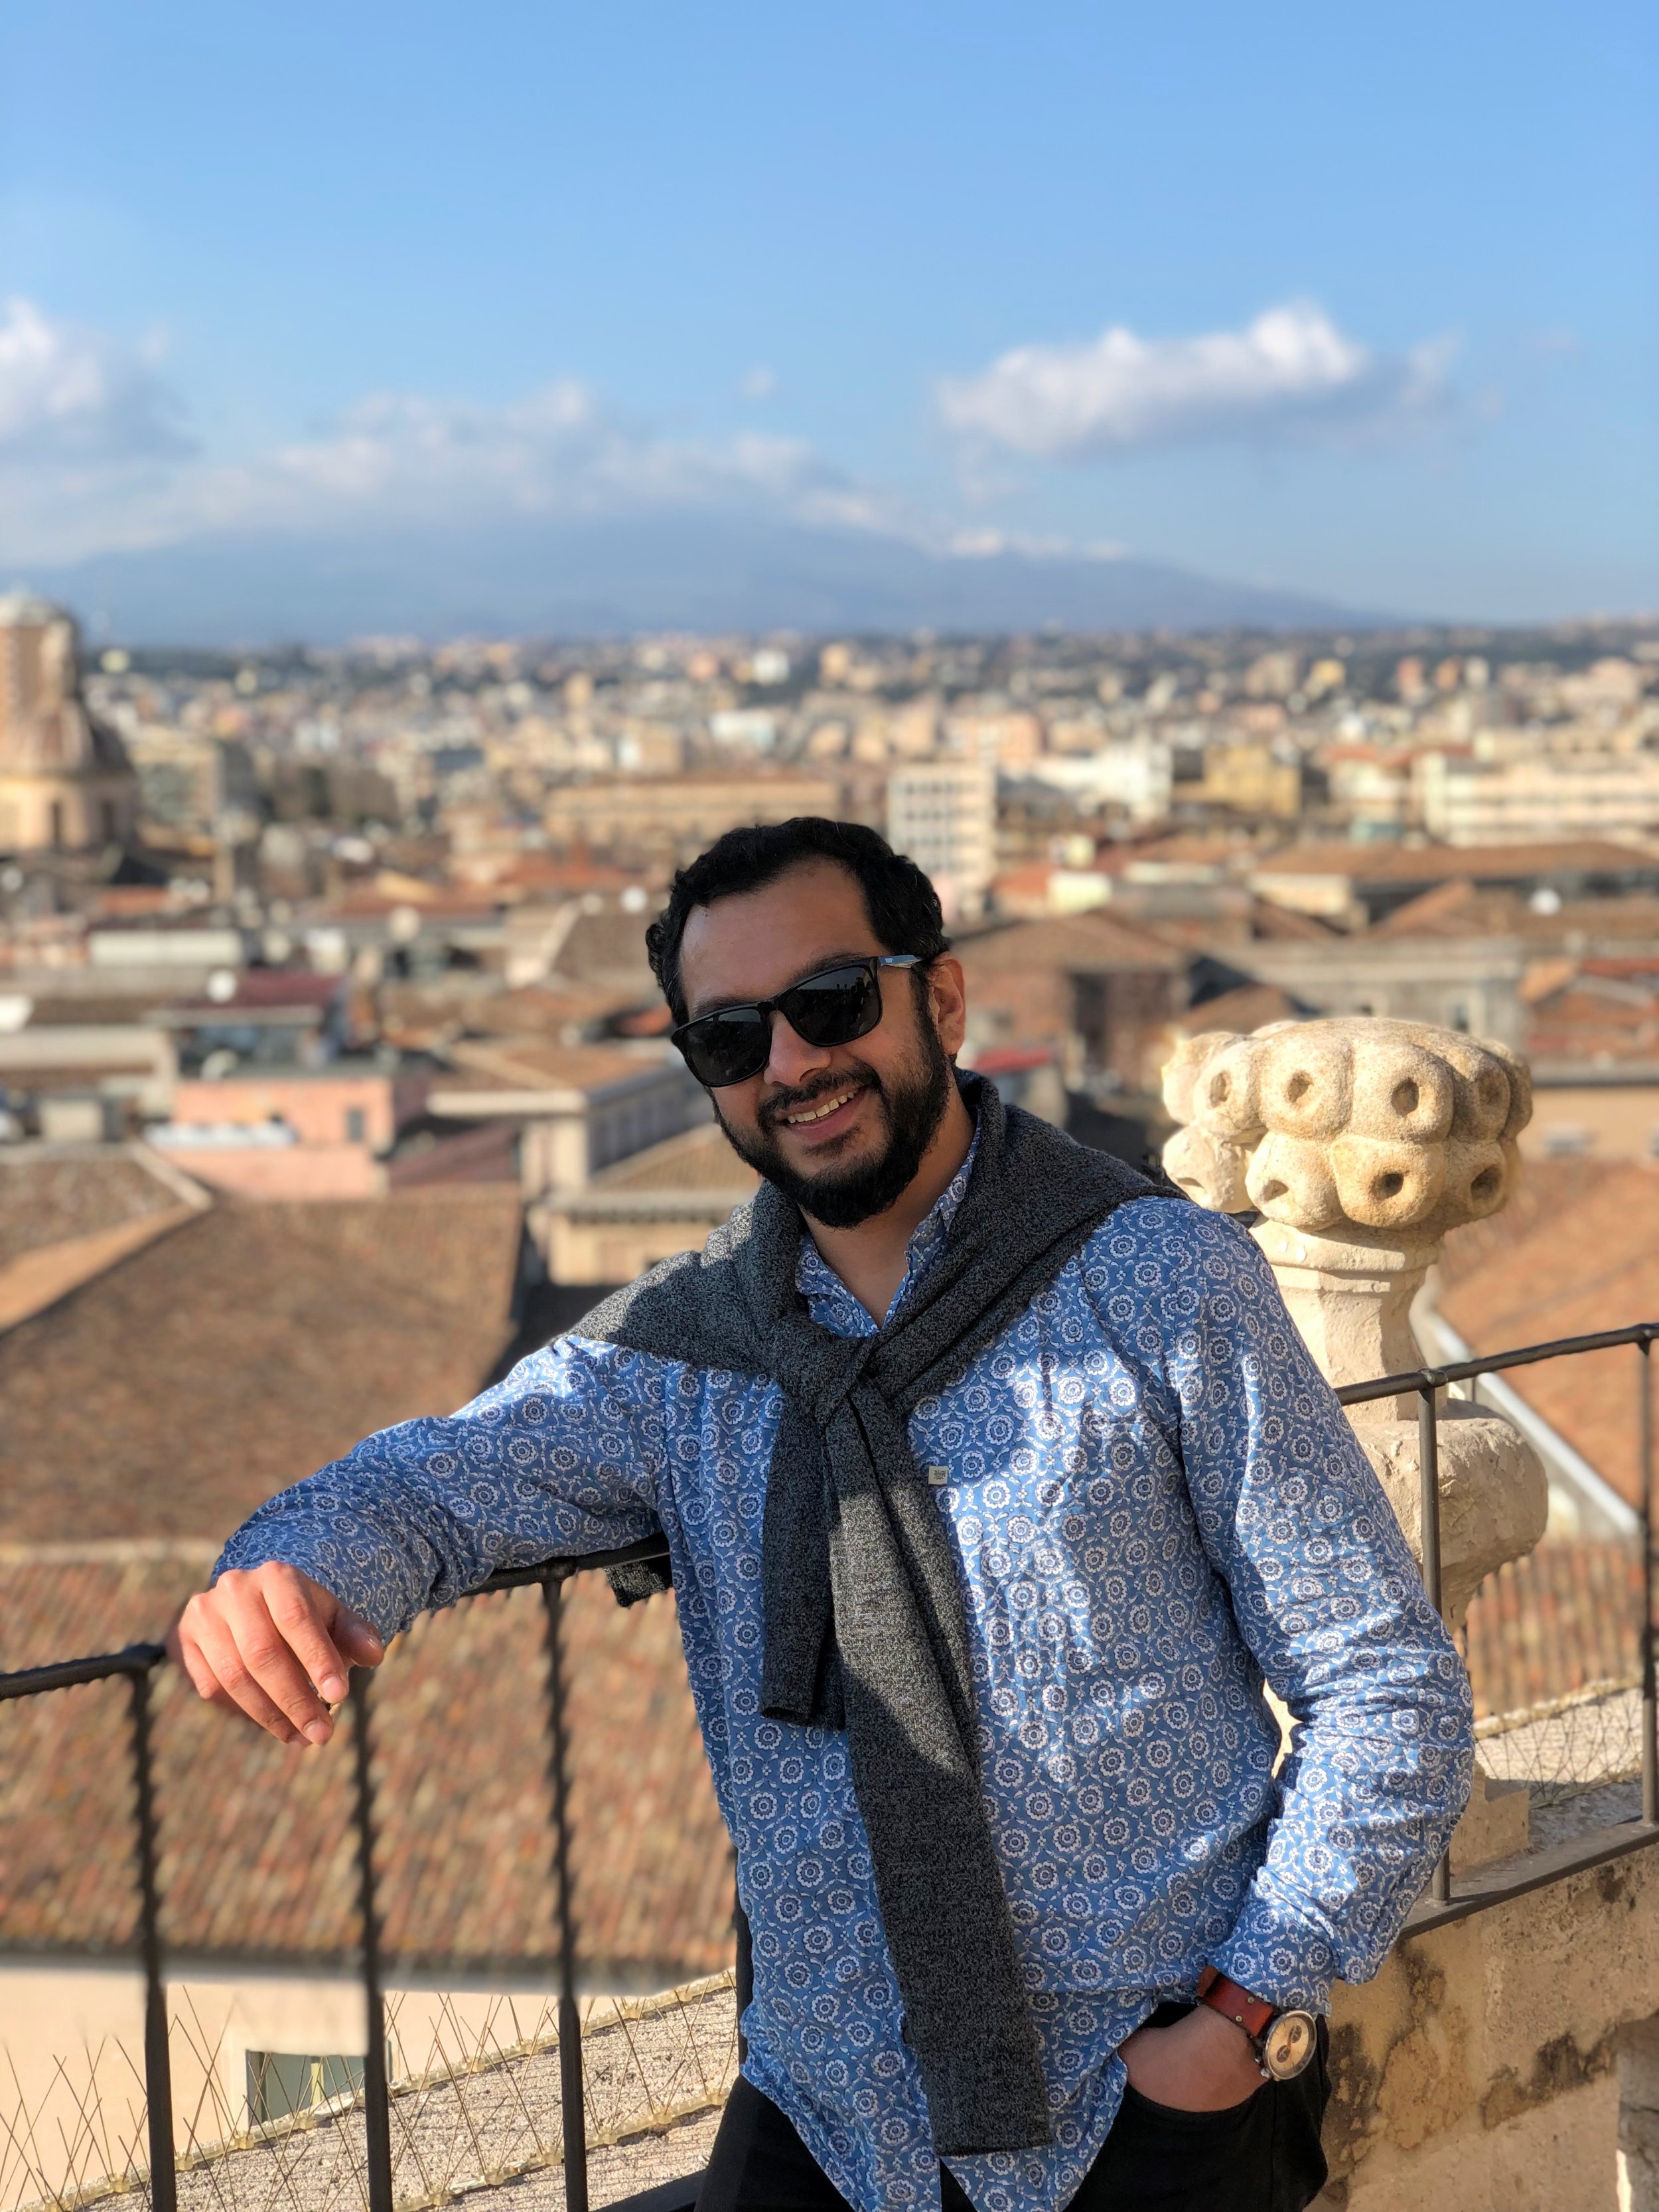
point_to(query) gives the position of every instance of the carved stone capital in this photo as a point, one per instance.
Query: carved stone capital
(1350, 1127)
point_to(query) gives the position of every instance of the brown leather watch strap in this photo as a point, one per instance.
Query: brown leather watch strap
(1253, 2015)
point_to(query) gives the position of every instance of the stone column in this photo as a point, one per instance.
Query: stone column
(1358, 1144)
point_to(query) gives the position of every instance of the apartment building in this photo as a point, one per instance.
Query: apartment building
(1477, 802)
(943, 813)
(658, 817)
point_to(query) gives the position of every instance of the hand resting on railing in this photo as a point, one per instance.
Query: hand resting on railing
(275, 1646)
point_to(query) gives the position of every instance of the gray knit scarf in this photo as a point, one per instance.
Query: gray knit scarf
(863, 1616)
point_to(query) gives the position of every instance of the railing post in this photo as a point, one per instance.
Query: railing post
(158, 2061)
(377, 2115)
(574, 2114)
(1428, 1474)
(1650, 1700)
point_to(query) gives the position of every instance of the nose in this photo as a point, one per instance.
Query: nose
(791, 1060)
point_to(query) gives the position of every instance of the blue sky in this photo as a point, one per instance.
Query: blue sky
(1385, 292)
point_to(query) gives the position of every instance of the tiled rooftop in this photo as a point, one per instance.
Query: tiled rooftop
(1075, 943)
(257, 1841)
(48, 1193)
(1250, 1007)
(1576, 1250)
(1599, 1013)
(186, 1383)
(1558, 1620)
(1376, 862)
(699, 1160)
(535, 1063)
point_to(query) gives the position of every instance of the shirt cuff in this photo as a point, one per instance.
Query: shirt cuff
(1276, 1956)
(351, 1567)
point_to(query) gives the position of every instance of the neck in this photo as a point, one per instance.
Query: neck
(870, 1259)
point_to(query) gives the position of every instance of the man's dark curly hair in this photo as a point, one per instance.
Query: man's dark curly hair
(901, 904)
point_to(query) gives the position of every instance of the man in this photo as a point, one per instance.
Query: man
(995, 1480)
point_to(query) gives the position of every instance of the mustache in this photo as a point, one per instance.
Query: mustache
(790, 1102)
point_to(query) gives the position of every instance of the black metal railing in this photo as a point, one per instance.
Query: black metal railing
(1425, 1383)
(138, 1662)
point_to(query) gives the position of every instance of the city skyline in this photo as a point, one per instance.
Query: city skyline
(1329, 322)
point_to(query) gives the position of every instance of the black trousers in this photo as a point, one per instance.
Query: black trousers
(1260, 2156)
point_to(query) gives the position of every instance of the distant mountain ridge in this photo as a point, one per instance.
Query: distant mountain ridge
(620, 576)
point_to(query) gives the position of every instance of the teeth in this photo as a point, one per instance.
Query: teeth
(818, 1113)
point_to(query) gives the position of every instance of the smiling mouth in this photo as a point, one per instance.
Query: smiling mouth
(820, 1110)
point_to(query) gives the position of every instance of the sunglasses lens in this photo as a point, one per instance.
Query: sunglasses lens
(836, 1007)
(734, 1043)
(726, 1047)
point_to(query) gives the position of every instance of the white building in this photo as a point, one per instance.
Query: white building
(944, 814)
(1135, 774)
(1537, 801)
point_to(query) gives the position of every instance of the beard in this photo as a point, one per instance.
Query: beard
(913, 1103)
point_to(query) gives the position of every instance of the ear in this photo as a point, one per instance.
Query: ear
(947, 996)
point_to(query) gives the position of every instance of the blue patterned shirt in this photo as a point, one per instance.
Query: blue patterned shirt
(1155, 1501)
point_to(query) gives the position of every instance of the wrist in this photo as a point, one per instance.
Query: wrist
(1221, 2040)
(1281, 2043)
(1222, 2032)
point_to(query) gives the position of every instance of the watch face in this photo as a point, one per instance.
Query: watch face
(1288, 2044)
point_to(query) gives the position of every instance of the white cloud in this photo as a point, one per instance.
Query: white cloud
(72, 394)
(985, 541)
(559, 452)
(1289, 376)
(91, 460)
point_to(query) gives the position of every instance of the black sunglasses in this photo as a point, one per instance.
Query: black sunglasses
(832, 1007)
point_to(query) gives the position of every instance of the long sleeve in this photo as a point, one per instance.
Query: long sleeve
(1329, 1601)
(563, 1456)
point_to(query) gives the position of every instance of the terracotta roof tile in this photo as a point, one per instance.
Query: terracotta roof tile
(1457, 908)
(1429, 864)
(699, 1160)
(185, 1385)
(1576, 1252)
(536, 1063)
(48, 1195)
(1251, 1006)
(256, 1841)
(1078, 942)
(1566, 1616)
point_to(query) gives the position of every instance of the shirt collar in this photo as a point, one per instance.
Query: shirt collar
(818, 1283)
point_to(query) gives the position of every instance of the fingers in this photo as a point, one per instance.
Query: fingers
(213, 1660)
(257, 1642)
(356, 1641)
(290, 1599)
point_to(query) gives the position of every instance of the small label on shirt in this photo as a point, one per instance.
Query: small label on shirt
(939, 1476)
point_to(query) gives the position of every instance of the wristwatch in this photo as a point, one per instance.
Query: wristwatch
(1283, 2041)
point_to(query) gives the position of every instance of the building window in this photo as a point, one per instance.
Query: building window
(112, 822)
(58, 824)
(280, 2083)
(1566, 1140)
(357, 1126)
